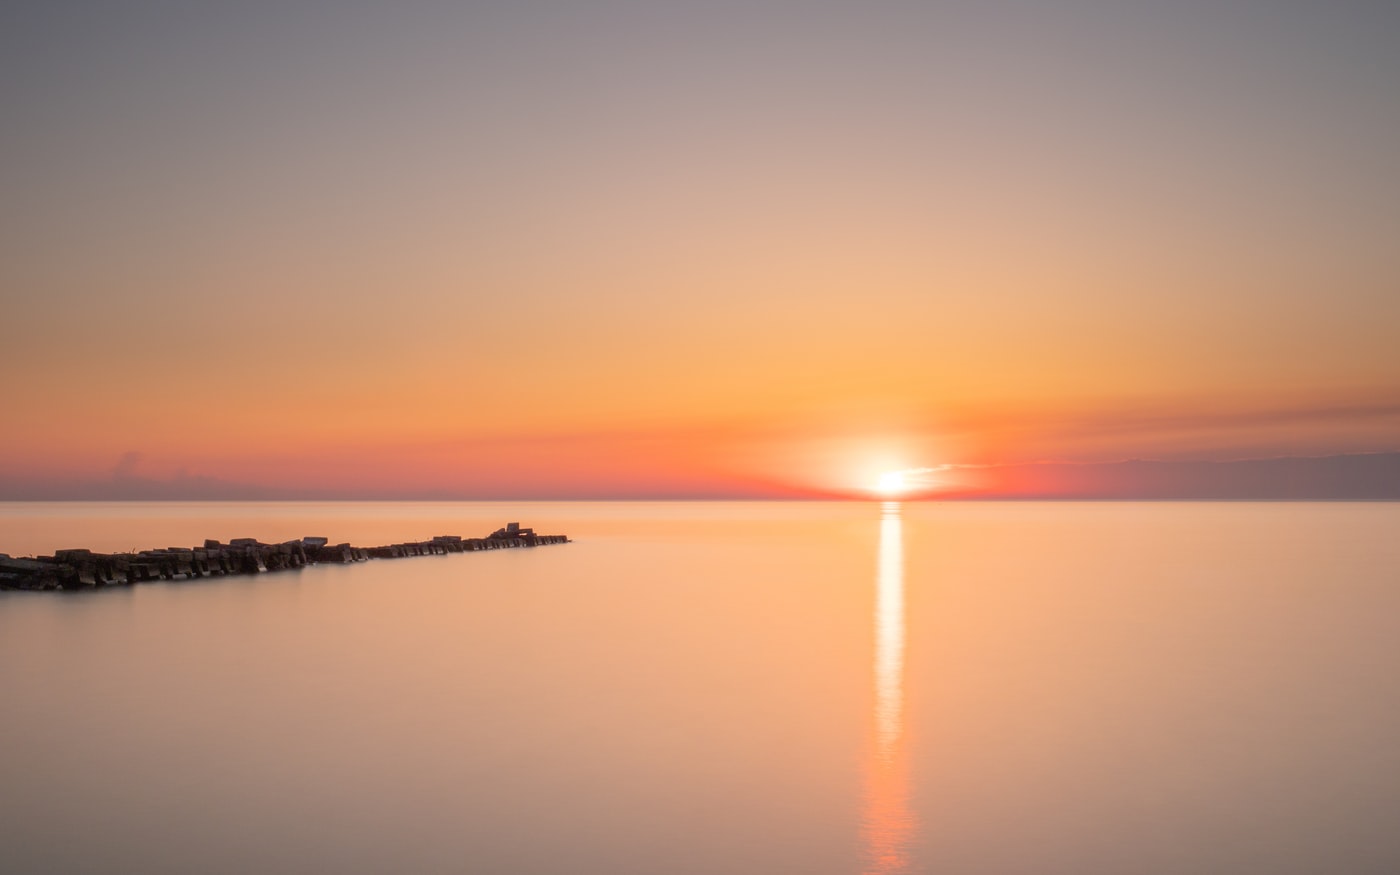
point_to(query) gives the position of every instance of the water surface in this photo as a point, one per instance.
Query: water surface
(716, 687)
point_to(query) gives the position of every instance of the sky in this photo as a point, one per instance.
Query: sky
(704, 249)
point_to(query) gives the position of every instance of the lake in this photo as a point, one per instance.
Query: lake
(713, 687)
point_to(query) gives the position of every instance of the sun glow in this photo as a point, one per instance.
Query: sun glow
(892, 483)
(895, 483)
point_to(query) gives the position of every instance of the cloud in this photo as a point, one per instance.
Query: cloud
(1366, 476)
(125, 468)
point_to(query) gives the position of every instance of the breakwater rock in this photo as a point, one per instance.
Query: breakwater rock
(80, 569)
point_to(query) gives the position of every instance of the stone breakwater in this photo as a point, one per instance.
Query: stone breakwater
(82, 569)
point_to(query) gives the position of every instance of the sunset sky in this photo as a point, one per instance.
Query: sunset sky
(616, 249)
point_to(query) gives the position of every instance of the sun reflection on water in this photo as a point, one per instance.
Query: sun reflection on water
(888, 822)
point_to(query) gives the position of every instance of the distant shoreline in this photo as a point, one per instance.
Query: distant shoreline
(1338, 477)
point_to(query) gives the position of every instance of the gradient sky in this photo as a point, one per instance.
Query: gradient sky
(614, 248)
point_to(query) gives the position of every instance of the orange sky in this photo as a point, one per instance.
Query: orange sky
(699, 250)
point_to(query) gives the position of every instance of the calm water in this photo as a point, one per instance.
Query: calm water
(717, 688)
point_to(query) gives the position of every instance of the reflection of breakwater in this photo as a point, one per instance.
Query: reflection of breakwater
(889, 824)
(80, 569)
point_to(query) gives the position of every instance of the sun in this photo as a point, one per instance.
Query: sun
(892, 483)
